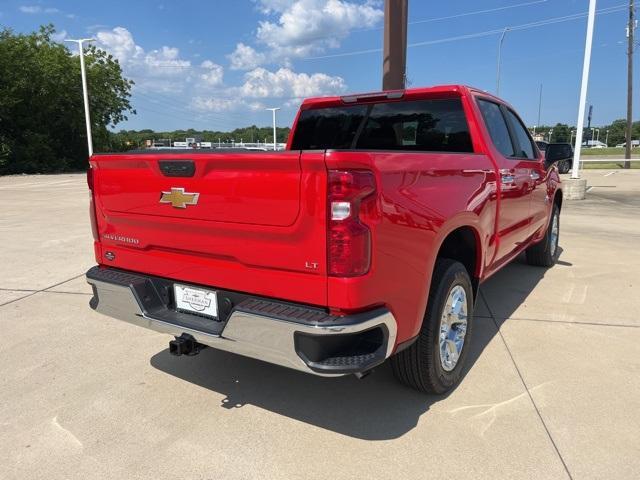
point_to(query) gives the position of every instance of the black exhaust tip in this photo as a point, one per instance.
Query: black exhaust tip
(185, 344)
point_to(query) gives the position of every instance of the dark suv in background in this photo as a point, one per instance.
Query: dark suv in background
(563, 165)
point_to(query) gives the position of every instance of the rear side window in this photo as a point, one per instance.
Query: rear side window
(324, 128)
(497, 127)
(524, 142)
(423, 125)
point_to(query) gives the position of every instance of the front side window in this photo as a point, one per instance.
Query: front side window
(497, 127)
(420, 125)
(524, 142)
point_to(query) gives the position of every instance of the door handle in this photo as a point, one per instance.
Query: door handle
(507, 179)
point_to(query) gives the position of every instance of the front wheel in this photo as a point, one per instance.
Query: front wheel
(545, 253)
(435, 361)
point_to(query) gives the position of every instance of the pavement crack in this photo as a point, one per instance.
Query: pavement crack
(33, 292)
(535, 406)
(596, 324)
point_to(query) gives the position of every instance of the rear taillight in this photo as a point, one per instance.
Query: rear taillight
(348, 237)
(92, 206)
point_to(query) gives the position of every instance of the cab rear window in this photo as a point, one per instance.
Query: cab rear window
(422, 125)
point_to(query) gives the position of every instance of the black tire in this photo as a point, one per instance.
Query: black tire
(545, 253)
(564, 166)
(419, 366)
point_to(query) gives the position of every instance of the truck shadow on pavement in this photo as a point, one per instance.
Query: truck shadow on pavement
(374, 408)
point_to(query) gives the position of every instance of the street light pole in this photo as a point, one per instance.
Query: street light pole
(607, 138)
(539, 104)
(85, 93)
(394, 55)
(504, 32)
(583, 89)
(631, 26)
(273, 111)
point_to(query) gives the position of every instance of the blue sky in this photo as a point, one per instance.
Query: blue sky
(218, 64)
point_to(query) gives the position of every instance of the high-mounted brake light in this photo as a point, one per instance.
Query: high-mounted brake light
(349, 239)
(392, 95)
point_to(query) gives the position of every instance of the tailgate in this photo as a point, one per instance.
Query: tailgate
(252, 221)
(257, 188)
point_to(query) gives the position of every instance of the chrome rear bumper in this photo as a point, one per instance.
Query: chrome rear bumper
(252, 329)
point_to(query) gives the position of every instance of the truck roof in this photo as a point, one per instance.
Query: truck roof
(408, 93)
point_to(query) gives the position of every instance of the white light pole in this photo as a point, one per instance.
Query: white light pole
(273, 111)
(606, 140)
(583, 89)
(504, 32)
(85, 93)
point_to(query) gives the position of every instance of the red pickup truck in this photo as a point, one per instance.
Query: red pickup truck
(366, 239)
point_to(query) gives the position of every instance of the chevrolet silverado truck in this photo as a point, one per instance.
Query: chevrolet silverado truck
(365, 240)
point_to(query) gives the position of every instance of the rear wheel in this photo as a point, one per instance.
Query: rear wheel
(434, 363)
(564, 166)
(545, 253)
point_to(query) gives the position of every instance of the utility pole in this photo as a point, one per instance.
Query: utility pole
(394, 58)
(500, 42)
(631, 26)
(575, 174)
(85, 93)
(273, 111)
(539, 104)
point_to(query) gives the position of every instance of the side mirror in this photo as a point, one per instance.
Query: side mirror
(556, 152)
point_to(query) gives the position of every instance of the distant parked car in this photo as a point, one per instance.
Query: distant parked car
(634, 144)
(563, 165)
(594, 144)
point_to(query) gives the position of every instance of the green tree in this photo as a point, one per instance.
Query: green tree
(561, 133)
(41, 109)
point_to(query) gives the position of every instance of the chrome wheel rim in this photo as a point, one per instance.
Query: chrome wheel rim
(453, 328)
(555, 233)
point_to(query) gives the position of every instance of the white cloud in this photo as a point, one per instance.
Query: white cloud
(201, 86)
(213, 73)
(216, 104)
(59, 36)
(245, 57)
(260, 83)
(311, 26)
(160, 69)
(273, 6)
(285, 83)
(35, 9)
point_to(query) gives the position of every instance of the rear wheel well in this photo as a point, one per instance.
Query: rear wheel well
(462, 245)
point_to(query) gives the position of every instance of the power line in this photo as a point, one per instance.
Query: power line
(170, 103)
(524, 26)
(477, 12)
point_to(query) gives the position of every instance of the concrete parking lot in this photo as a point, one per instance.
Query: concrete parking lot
(553, 389)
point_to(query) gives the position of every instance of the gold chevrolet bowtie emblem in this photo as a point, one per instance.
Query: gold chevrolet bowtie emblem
(178, 198)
